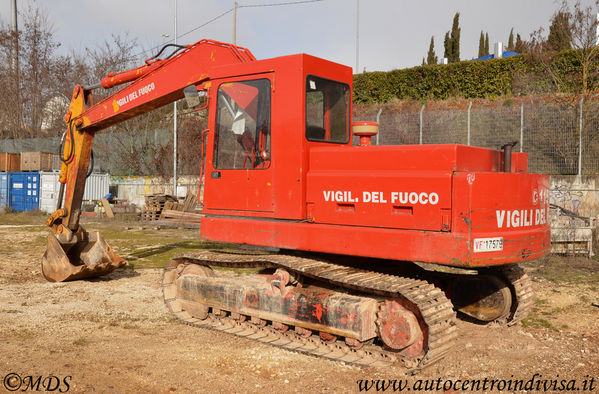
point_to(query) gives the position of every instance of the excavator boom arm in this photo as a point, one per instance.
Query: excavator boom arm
(161, 85)
(71, 251)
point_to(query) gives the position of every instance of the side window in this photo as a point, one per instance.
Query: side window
(327, 110)
(242, 139)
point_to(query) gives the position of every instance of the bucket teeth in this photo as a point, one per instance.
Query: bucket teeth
(85, 259)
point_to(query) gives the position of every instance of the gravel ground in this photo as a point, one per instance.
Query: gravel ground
(113, 334)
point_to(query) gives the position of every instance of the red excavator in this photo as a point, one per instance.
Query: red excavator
(365, 253)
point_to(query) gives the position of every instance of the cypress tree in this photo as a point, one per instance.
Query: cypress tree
(446, 46)
(519, 44)
(510, 41)
(560, 35)
(486, 44)
(455, 39)
(481, 45)
(431, 57)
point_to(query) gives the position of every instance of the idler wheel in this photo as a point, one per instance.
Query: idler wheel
(195, 309)
(483, 297)
(398, 326)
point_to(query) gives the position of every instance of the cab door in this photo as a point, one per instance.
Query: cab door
(239, 170)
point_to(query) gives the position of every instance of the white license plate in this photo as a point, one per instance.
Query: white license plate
(488, 244)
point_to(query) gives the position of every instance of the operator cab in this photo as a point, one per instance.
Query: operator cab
(265, 117)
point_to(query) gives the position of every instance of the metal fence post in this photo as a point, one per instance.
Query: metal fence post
(421, 111)
(580, 139)
(522, 123)
(469, 108)
(378, 121)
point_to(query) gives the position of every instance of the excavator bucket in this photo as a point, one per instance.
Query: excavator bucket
(85, 258)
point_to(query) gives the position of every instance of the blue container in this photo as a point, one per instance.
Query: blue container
(24, 190)
(4, 189)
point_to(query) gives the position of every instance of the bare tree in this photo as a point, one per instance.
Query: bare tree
(36, 99)
(10, 114)
(37, 57)
(113, 55)
(581, 25)
(584, 40)
(28, 90)
(575, 72)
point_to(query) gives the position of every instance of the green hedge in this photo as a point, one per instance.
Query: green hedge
(469, 79)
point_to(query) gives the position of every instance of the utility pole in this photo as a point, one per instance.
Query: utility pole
(235, 23)
(175, 124)
(165, 36)
(14, 53)
(357, 36)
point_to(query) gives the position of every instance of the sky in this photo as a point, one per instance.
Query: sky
(392, 33)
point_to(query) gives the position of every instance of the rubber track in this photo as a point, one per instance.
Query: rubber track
(436, 310)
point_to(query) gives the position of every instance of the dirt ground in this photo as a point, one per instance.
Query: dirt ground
(114, 334)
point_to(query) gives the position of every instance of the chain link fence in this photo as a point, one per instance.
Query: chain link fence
(561, 136)
(114, 153)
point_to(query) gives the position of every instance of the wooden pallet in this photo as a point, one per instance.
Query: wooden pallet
(155, 204)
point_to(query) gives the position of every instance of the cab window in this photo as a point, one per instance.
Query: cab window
(327, 110)
(242, 139)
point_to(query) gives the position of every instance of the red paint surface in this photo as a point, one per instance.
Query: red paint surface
(286, 205)
(317, 312)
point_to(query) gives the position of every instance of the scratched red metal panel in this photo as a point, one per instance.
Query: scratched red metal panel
(511, 206)
(395, 244)
(394, 199)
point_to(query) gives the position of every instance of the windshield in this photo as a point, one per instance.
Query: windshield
(243, 125)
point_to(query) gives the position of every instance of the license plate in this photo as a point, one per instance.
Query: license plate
(488, 244)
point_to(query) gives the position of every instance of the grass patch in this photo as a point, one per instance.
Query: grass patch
(157, 255)
(27, 217)
(80, 341)
(534, 321)
(584, 299)
(150, 248)
(566, 270)
(541, 312)
(23, 335)
(143, 248)
(540, 301)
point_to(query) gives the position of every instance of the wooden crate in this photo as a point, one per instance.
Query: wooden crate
(10, 162)
(36, 161)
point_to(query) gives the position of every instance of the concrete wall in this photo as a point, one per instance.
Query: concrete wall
(570, 234)
(135, 188)
(577, 194)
